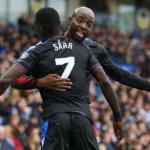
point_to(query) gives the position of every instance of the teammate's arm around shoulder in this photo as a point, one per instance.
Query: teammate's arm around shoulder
(99, 74)
(116, 73)
(50, 81)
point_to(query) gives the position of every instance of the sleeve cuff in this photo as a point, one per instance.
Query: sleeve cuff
(21, 67)
(94, 66)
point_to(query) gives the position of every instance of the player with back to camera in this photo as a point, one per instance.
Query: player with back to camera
(80, 26)
(68, 118)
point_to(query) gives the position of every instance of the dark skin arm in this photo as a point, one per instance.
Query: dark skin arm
(99, 74)
(54, 82)
(111, 69)
(13, 73)
(119, 74)
(51, 81)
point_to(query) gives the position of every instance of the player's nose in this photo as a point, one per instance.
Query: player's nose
(83, 25)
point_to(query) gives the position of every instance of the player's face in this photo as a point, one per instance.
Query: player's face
(80, 26)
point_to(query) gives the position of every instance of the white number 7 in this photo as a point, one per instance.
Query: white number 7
(69, 67)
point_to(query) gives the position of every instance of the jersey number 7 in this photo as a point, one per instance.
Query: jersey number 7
(70, 64)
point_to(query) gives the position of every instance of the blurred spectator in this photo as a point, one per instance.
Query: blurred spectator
(10, 135)
(5, 143)
(33, 140)
(107, 141)
(102, 147)
(24, 110)
(20, 134)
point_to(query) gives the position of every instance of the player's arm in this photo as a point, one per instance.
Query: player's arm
(119, 74)
(24, 65)
(5, 80)
(98, 73)
(50, 81)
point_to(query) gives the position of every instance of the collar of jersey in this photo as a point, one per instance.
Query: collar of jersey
(55, 37)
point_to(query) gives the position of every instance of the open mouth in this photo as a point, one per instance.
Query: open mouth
(80, 34)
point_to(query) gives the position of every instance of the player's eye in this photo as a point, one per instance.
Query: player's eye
(89, 24)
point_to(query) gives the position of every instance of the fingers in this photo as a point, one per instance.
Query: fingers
(65, 87)
(59, 89)
(119, 131)
(62, 80)
(54, 76)
(58, 77)
(120, 136)
(55, 82)
(61, 86)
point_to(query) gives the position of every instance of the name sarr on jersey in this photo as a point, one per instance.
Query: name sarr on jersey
(62, 45)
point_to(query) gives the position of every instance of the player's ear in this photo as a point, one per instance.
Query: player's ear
(40, 29)
(69, 20)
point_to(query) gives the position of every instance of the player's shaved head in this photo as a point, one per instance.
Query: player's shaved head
(81, 23)
(85, 12)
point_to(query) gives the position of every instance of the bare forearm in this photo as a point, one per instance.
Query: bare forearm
(112, 100)
(107, 90)
(13, 73)
(4, 84)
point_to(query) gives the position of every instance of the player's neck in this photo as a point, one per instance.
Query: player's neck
(46, 37)
(68, 34)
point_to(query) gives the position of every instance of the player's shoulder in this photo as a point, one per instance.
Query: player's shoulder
(34, 47)
(94, 45)
(30, 51)
(43, 46)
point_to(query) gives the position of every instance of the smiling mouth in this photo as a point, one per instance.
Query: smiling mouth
(80, 34)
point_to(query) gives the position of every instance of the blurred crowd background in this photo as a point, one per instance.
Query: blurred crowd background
(128, 47)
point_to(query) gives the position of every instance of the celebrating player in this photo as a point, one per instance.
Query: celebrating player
(68, 118)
